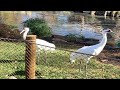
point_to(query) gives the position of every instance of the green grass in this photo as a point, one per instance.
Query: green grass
(12, 57)
(51, 65)
(57, 65)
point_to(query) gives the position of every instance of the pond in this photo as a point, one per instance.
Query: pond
(65, 23)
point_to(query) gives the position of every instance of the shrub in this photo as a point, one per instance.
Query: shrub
(74, 38)
(7, 31)
(38, 27)
(71, 38)
(79, 38)
(118, 44)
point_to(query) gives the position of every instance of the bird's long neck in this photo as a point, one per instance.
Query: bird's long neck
(104, 40)
(25, 35)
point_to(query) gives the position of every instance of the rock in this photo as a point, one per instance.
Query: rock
(104, 60)
(12, 77)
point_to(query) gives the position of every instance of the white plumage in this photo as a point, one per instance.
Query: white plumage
(41, 44)
(90, 51)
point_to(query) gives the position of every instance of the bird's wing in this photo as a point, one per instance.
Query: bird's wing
(87, 50)
(44, 43)
(41, 42)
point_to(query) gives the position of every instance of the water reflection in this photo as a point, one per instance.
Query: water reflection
(64, 23)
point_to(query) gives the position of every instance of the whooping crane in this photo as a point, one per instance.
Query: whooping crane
(41, 44)
(87, 52)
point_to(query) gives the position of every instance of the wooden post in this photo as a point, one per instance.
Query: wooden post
(30, 56)
(83, 22)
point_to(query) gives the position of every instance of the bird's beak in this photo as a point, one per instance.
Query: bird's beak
(113, 33)
(22, 31)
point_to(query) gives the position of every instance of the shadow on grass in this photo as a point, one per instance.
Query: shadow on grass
(23, 73)
(11, 61)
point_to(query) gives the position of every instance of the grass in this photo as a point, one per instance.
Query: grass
(51, 65)
(12, 56)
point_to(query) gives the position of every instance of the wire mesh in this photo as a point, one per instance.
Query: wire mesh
(12, 56)
(56, 64)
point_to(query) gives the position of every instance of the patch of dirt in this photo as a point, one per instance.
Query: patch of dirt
(110, 56)
(113, 62)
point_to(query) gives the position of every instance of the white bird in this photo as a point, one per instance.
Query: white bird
(41, 44)
(87, 52)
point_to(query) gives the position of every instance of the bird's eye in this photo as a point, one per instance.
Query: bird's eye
(109, 30)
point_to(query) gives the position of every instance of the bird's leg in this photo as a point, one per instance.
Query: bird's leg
(45, 58)
(86, 69)
(80, 63)
(103, 71)
(87, 61)
(38, 55)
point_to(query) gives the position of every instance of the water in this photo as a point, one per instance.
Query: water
(65, 23)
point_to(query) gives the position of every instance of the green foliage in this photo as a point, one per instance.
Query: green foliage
(79, 38)
(74, 38)
(118, 44)
(71, 38)
(38, 27)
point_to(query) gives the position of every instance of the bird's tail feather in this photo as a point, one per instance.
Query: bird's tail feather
(74, 56)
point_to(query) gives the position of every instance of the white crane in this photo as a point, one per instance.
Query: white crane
(41, 44)
(87, 52)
